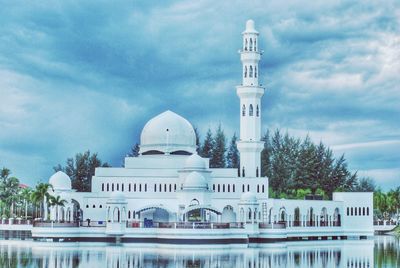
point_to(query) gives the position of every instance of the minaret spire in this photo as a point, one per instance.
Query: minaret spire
(250, 93)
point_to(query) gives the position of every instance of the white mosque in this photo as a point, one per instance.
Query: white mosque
(170, 192)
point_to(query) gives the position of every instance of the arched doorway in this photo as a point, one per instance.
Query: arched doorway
(323, 217)
(336, 218)
(77, 213)
(296, 220)
(198, 213)
(228, 215)
(156, 213)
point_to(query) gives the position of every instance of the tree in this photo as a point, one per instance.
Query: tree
(9, 188)
(134, 150)
(232, 156)
(208, 145)
(219, 149)
(198, 145)
(41, 196)
(81, 170)
(365, 185)
(26, 199)
(57, 202)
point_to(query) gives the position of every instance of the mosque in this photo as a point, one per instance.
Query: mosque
(170, 192)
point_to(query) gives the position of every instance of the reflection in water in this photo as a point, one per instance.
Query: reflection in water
(345, 253)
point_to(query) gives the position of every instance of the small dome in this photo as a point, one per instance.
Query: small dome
(60, 181)
(195, 181)
(195, 162)
(250, 27)
(168, 132)
(248, 197)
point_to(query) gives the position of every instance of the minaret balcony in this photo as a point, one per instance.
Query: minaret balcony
(250, 56)
(250, 91)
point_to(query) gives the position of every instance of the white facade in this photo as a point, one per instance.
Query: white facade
(168, 183)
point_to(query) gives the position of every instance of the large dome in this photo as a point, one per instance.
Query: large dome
(168, 133)
(60, 181)
(195, 162)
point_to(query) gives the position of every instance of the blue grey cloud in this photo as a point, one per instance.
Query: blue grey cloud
(83, 75)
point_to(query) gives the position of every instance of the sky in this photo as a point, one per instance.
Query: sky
(87, 75)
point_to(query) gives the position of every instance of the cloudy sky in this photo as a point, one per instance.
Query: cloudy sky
(78, 75)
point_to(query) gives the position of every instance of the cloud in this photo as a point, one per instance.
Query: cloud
(88, 75)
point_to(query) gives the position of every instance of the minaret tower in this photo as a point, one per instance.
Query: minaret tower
(250, 93)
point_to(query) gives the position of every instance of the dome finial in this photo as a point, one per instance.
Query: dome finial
(249, 25)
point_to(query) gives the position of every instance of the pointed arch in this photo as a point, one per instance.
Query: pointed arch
(245, 71)
(251, 45)
(255, 71)
(245, 44)
(243, 110)
(251, 71)
(251, 110)
(255, 44)
(257, 111)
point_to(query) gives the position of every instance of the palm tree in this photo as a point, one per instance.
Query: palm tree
(41, 196)
(26, 198)
(9, 187)
(57, 201)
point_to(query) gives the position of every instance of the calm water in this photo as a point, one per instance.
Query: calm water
(382, 251)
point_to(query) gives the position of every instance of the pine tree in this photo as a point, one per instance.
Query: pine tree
(219, 149)
(208, 145)
(198, 145)
(232, 156)
(266, 156)
(134, 151)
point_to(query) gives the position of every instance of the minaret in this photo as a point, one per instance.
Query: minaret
(250, 93)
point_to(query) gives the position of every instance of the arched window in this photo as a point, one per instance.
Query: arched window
(214, 187)
(175, 187)
(117, 186)
(155, 187)
(233, 187)
(251, 45)
(359, 211)
(248, 187)
(245, 71)
(219, 188)
(249, 213)
(145, 187)
(140, 187)
(258, 188)
(257, 172)
(243, 173)
(108, 187)
(129, 214)
(251, 71)
(134, 187)
(245, 44)
(102, 187)
(94, 206)
(251, 110)
(122, 187)
(351, 211)
(170, 187)
(129, 187)
(263, 188)
(255, 71)
(229, 188)
(255, 44)
(243, 188)
(257, 111)
(101, 206)
(363, 211)
(243, 110)
(348, 212)
(165, 187)
(367, 211)
(160, 188)
(112, 187)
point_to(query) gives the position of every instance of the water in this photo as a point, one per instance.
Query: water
(382, 251)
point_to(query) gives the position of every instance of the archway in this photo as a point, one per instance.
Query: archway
(198, 213)
(77, 213)
(228, 214)
(282, 215)
(311, 221)
(336, 218)
(296, 220)
(323, 217)
(154, 212)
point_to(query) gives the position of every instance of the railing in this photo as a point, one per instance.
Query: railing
(15, 221)
(93, 224)
(280, 225)
(382, 222)
(186, 225)
(55, 224)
